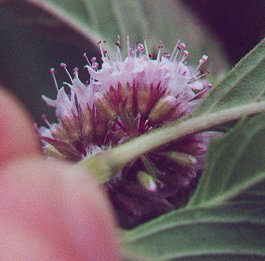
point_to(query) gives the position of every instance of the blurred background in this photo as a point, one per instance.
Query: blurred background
(37, 35)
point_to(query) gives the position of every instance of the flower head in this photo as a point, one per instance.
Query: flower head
(126, 98)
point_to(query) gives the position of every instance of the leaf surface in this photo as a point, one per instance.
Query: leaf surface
(243, 84)
(224, 219)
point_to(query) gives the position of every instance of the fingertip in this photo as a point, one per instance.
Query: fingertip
(61, 205)
(17, 138)
(89, 213)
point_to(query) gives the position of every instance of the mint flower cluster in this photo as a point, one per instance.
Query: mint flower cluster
(125, 98)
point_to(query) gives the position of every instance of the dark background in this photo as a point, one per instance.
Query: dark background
(238, 24)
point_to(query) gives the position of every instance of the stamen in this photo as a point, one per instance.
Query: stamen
(184, 56)
(101, 49)
(95, 66)
(180, 46)
(140, 48)
(68, 85)
(63, 65)
(93, 59)
(75, 72)
(52, 71)
(146, 49)
(174, 51)
(44, 118)
(128, 47)
(85, 55)
(194, 78)
(118, 49)
(202, 75)
(201, 62)
(158, 58)
(166, 55)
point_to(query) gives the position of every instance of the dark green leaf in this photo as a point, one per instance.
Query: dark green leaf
(224, 219)
(243, 84)
(233, 168)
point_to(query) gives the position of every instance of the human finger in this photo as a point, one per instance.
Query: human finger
(56, 209)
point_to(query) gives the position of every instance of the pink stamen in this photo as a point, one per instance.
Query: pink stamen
(118, 49)
(128, 46)
(52, 71)
(201, 62)
(85, 55)
(63, 65)
(75, 72)
(146, 49)
(44, 118)
(93, 59)
(184, 56)
(158, 58)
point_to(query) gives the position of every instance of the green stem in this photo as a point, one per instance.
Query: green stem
(118, 157)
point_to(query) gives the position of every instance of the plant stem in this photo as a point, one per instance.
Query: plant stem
(118, 157)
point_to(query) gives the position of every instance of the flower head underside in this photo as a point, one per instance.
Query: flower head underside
(123, 99)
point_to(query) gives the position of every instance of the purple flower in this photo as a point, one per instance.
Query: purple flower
(124, 99)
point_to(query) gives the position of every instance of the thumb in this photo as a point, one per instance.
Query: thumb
(53, 211)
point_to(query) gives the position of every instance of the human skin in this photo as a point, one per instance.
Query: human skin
(49, 210)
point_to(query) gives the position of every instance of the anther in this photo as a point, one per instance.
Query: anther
(75, 72)
(140, 48)
(118, 42)
(160, 46)
(118, 51)
(145, 46)
(44, 118)
(201, 62)
(101, 49)
(128, 46)
(178, 47)
(63, 65)
(181, 45)
(52, 71)
(166, 55)
(95, 66)
(85, 55)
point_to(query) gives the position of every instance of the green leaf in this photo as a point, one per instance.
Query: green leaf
(225, 218)
(232, 168)
(233, 231)
(244, 83)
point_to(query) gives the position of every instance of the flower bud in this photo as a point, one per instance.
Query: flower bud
(103, 104)
(181, 158)
(86, 119)
(70, 123)
(143, 97)
(162, 108)
(146, 180)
